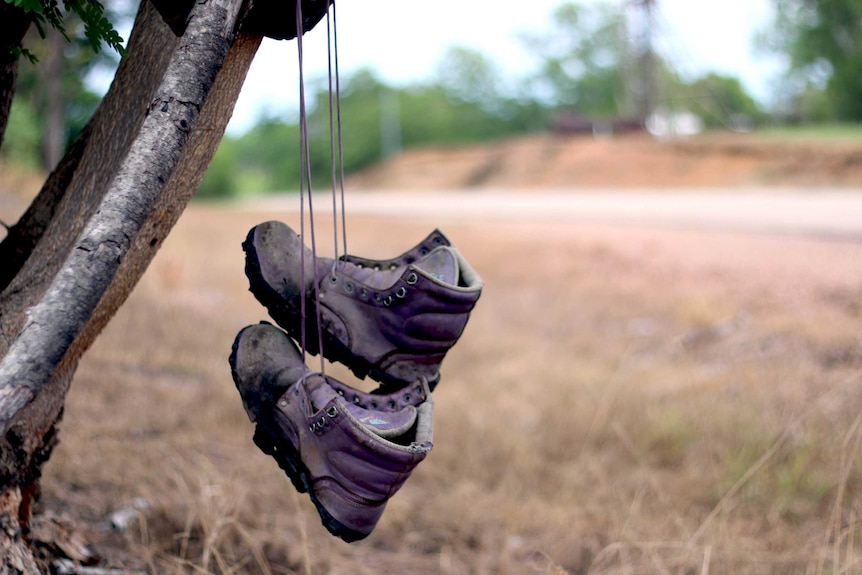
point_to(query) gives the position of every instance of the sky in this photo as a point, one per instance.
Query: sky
(403, 42)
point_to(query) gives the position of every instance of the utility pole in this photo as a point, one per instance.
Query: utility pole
(645, 82)
(650, 98)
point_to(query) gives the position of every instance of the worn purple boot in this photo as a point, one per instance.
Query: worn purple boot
(349, 450)
(393, 320)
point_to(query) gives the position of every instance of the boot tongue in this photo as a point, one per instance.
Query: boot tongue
(442, 264)
(383, 423)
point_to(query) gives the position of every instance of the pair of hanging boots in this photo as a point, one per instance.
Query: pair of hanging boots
(392, 321)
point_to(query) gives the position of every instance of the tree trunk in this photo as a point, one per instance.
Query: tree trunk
(13, 25)
(54, 138)
(98, 222)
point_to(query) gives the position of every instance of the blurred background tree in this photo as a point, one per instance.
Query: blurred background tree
(447, 110)
(721, 102)
(821, 40)
(52, 96)
(583, 59)
(588, 61)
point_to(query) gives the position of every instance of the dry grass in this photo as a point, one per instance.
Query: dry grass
(623, 401)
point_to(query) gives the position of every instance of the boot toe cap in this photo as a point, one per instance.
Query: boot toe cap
(264, 363)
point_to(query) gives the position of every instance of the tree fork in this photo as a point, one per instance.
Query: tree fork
(145, 155)
(78, 184)
(271, 18)
(147, 53)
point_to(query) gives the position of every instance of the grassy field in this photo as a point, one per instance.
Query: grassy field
(622, 401)
(818, 133)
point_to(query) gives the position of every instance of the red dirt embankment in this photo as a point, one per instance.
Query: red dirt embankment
(569, 162)
(549, 161)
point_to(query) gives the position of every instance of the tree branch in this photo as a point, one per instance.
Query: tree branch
(277, 18)
(65, 311)
(271, 18)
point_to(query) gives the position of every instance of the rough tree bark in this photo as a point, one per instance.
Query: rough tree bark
(86, 240)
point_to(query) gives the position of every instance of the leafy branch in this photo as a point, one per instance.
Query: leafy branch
(97, 28)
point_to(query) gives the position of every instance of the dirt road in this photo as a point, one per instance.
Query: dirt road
(829, 213)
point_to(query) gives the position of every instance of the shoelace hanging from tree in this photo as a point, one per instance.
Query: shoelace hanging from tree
(336, 162)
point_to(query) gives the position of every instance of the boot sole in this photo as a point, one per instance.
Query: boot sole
(289, 460)
(289, 318)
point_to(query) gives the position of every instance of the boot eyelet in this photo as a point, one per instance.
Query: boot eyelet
(412, 278)
(393, 405)
(377, 268)
(377, 297)
(313, 428)
(406, 398)
(393, 266)
(356, 399)
(332, 411)
(348, 287)
(424, 251)
(333, 280)
(401, 293)
(322, 422)
(373, 405)
(387, 301)
(438, 240)
(363, 293)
